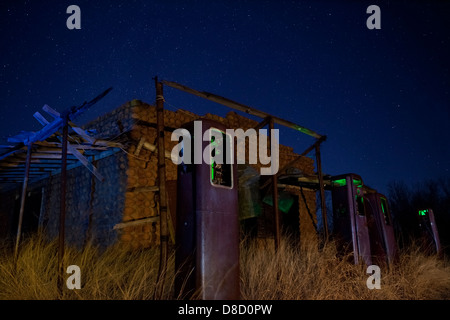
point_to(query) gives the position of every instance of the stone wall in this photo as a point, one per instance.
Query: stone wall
(140, 203)
(94, 207)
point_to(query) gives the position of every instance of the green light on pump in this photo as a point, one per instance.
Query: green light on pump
(339, 183)
(423, 212)
(343, 182)
(357, 182)
(214, 143)
(383, 205)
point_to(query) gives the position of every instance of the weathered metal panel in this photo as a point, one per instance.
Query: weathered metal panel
(349, 216)
(428, 228)
(207, 238)
(383, 242)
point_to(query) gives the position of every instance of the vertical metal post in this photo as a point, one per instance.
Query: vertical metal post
(22, 202)
(164, 234)
(42, 210)
(351, 194)
(322, 192)
(62, 214)
(274, 192)
(88, 236)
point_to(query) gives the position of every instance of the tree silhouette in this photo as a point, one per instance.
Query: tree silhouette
(406, 200)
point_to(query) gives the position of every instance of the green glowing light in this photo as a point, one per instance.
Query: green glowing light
(214, 143)
(360, 205)
(383, 205)
(423, 212)
(343, 182)
(384, 209)
(339, 183)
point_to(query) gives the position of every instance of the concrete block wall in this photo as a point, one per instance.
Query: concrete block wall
(7, 203)
(93, 207)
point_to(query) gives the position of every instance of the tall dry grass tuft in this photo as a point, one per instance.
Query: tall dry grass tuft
(116, 273)
(309, 273)
(292, 273)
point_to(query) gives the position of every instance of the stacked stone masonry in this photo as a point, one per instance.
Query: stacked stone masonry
(95, 207)
(142, 170)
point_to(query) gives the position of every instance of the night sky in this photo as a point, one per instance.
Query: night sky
(382, 97)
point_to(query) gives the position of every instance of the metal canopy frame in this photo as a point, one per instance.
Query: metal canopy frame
(39, 155)
(269, 119)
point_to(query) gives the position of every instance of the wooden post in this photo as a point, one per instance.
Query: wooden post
(274, 191)
(322, 192)
(164, 235)
(62, 214)
(22, 202)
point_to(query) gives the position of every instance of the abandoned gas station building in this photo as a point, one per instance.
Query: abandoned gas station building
(113, 196)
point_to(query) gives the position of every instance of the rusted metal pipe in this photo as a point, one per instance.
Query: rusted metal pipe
(292, 162)
(164, 230)
(322, 192)
(262, 124)
(241, 107)
(62, 212)
(351, 194)
(22, 202)
(276, 212)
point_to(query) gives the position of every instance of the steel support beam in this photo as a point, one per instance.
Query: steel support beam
(62, 214)
(164, 230)
(22, 202)
(322, 192)
(276, 211)
(241, 107)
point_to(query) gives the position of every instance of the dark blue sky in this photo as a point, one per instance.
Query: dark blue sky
(381, 96)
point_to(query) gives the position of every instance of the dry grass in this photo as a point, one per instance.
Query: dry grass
(113, 274)
(291, 274)
(310, 274)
